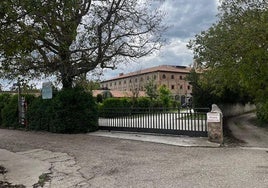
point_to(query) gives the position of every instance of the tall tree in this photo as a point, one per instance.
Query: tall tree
(234, 50)
(69, 38)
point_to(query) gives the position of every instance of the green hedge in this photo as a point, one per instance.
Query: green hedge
(123, 105)
(9, 109)
(9, 113)
(4, 99)
(70, 111)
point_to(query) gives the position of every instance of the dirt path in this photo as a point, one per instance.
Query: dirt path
(243, 128)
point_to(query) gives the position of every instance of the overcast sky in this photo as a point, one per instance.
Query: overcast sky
(185, 19)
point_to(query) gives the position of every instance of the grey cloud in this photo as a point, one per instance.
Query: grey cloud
(188, 17)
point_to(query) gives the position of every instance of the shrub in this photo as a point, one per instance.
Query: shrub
(38, 114)
(262, 111)
(144, 102)
(99, 98)
(70, 111)
(122, 106)
(4, 98)
(10, 113)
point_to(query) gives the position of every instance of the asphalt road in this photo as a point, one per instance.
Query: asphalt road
(112, 162)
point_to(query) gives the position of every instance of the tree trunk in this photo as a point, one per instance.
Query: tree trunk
(67, 82)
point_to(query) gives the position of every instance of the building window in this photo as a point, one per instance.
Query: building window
(154, 76)
(148, 77)
(141, 79)
(130, 81)
(164, 76)
(181, 87)
(111, 84)
(115, 83)
(172, 87)
(172, 76)
(125, 81)
(119, 82)
(180, 77)
(136, 80)
(189, 87)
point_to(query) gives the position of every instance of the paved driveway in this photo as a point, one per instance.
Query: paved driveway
(243, 128)
(112, 162)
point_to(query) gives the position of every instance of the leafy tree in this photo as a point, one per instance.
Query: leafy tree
(151, 89)
(164, 95)
(72, 37)
(88, 85)
(234, 50)
(204, 94)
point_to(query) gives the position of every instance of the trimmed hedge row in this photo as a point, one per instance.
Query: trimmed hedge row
(69, 111)
(125, 106)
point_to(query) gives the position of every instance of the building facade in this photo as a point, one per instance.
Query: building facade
(173, 77)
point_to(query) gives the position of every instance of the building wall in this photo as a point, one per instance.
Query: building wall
(173, 80)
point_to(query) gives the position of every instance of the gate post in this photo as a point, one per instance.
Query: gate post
(215, 125)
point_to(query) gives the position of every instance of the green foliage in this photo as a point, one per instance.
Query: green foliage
(143, 102)
(9, 109)
(88, 85)
(99, 98)
(262, 111)
(117, 103)
(204, 93)
(39, 114)
(122, 106)
(70, 111)
(151, 89)
(62, 48)
(164, 95)
(234, 50)
(4, 99)
(10, 113)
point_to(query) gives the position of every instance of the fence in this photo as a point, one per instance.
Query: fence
(154, 120)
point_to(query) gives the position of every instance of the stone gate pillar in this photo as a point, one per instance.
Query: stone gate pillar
(215, 125)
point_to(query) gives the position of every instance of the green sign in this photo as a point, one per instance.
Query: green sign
(47, 90)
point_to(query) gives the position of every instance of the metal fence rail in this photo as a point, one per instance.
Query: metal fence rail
(164, 121)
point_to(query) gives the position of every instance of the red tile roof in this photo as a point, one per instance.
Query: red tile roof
(161, 68)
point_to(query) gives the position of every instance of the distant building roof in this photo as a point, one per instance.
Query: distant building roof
(161, 68)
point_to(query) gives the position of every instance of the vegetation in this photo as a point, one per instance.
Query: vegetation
(71, 38)
(164, 96)
(70, 111)
(233, 51)
(125, 106)
(151, 89)
(204, 93)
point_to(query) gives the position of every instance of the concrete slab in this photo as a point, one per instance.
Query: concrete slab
(21, 169)
(163, 139)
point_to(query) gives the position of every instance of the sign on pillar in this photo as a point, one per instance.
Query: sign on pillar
(215, 128)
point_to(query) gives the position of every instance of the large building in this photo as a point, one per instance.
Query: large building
(173, 77)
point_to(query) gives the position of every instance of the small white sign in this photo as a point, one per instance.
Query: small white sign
(47, 90)
(213, 117)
